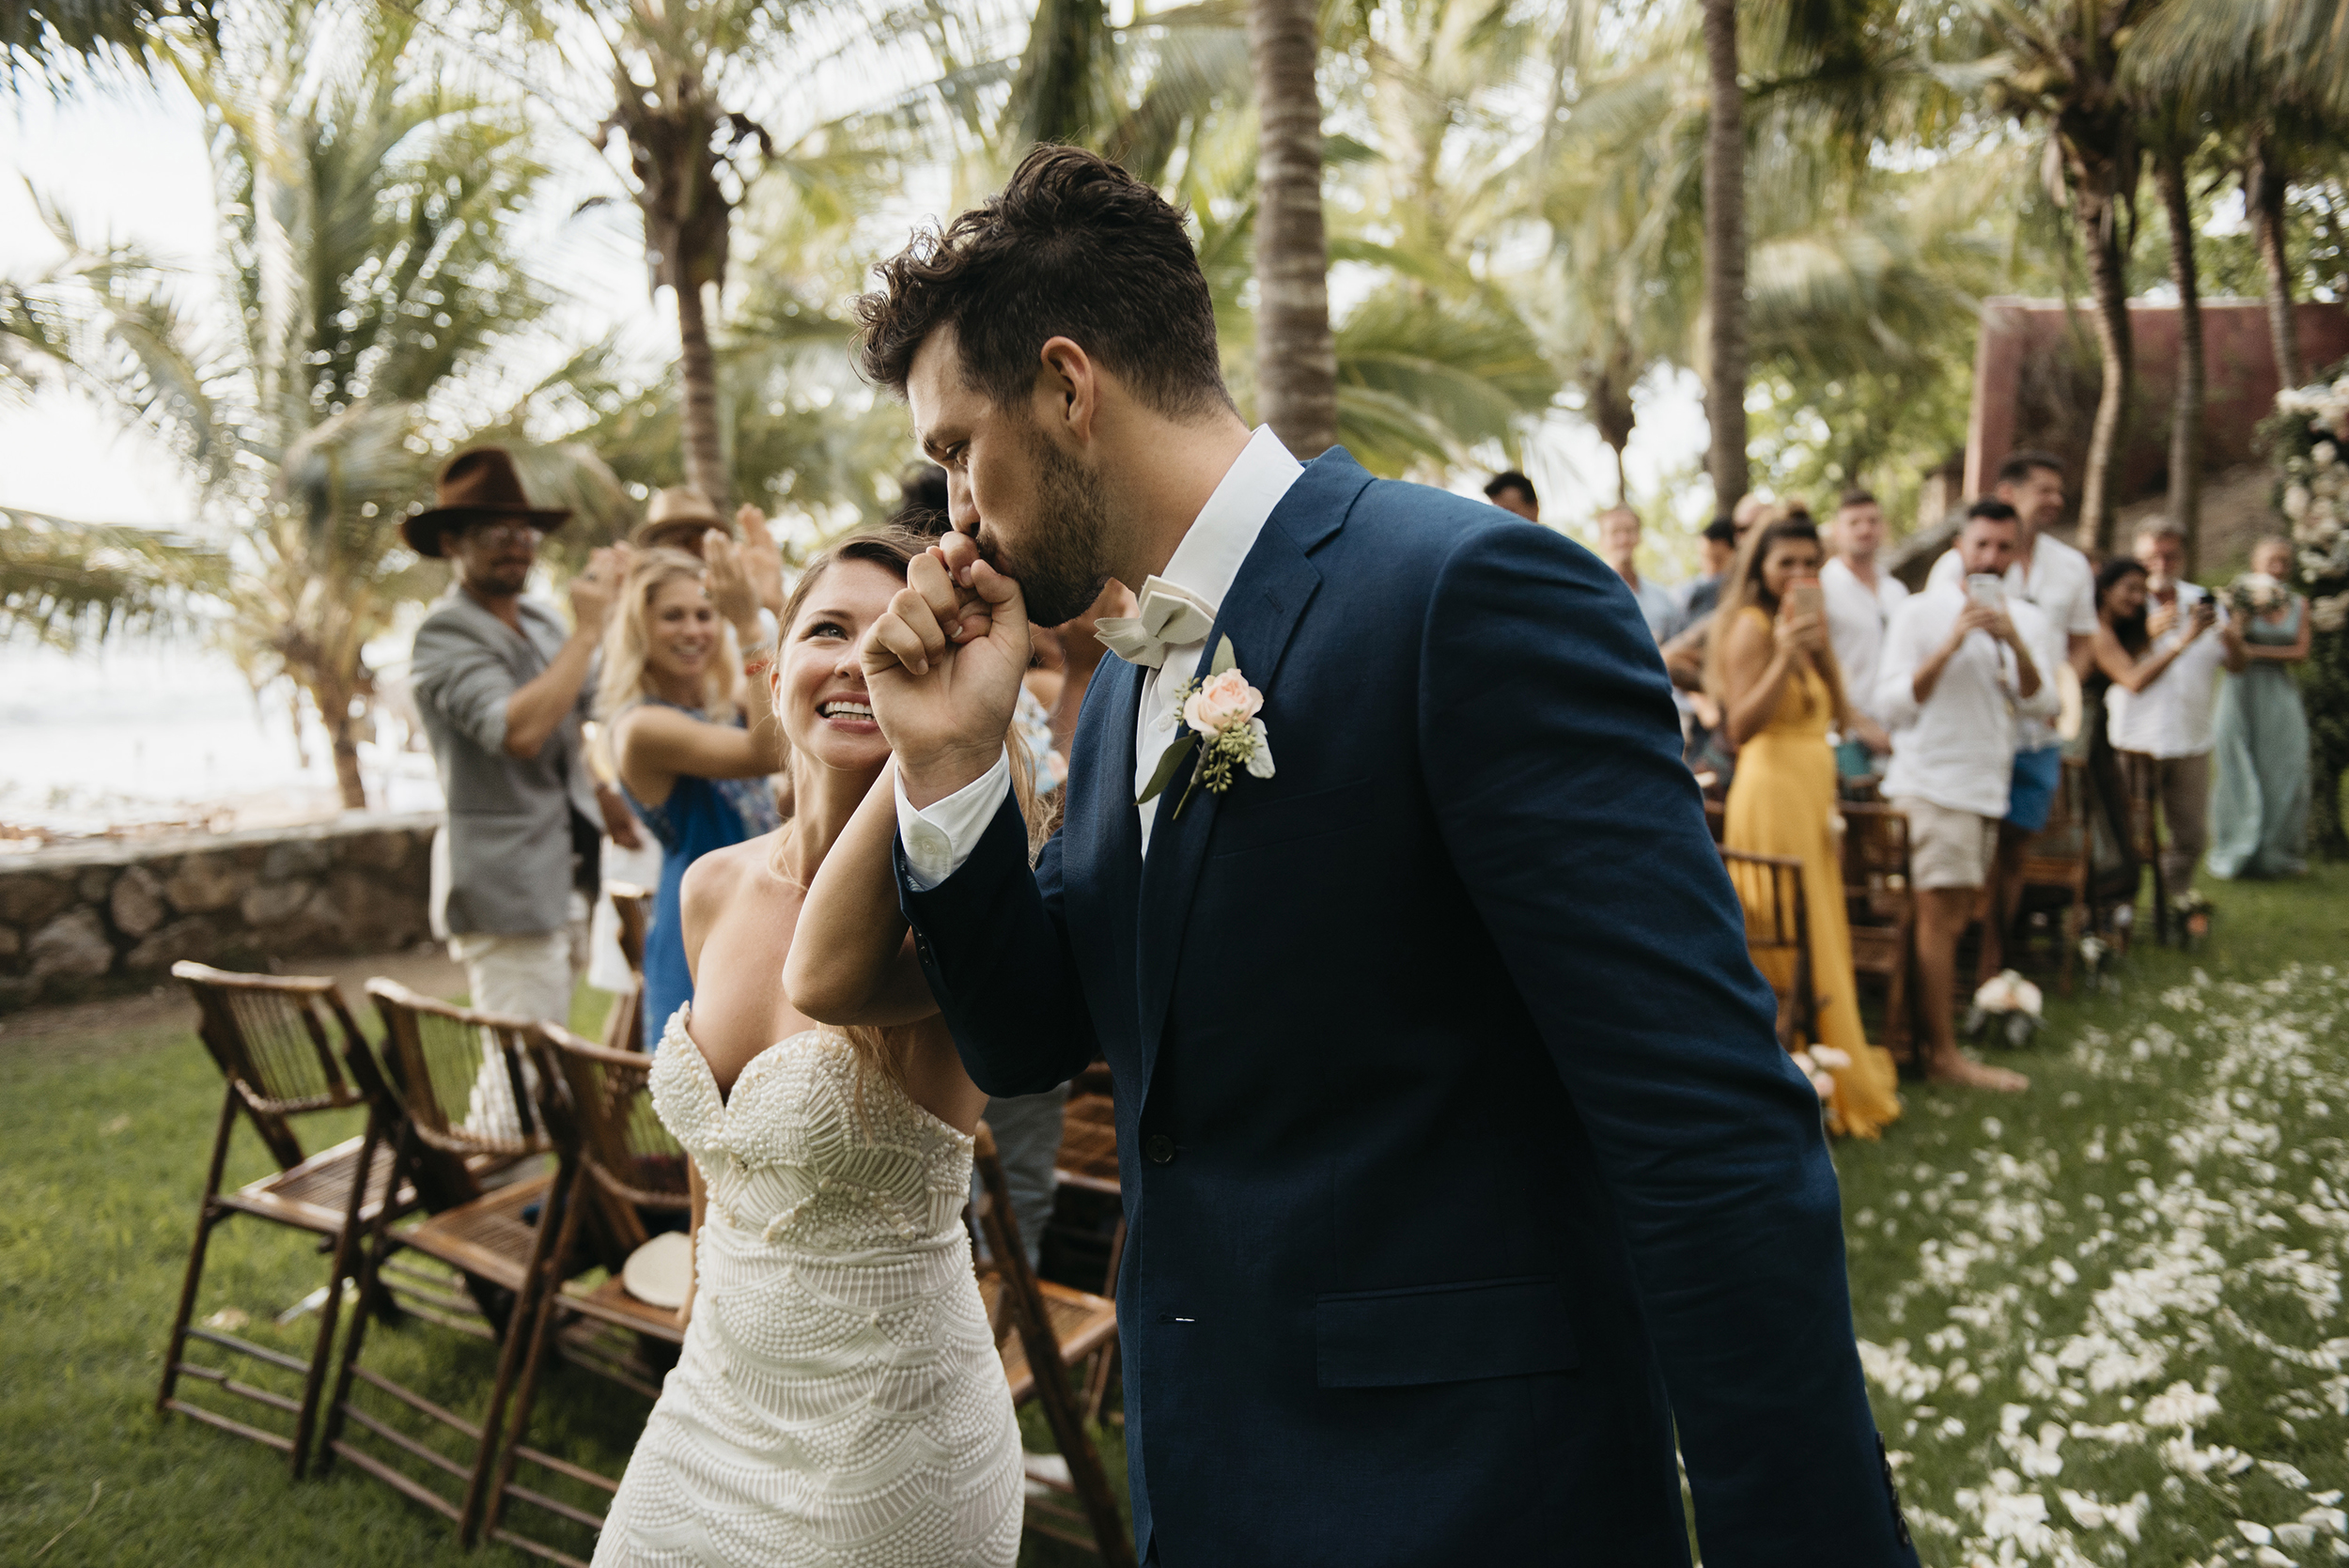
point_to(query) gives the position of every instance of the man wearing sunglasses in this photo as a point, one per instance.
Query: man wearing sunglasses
(504, 685)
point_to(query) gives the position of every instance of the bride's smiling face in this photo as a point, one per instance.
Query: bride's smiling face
(827, 712)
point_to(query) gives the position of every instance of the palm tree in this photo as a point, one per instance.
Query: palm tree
(1297, 370)
(2175, 133)
(61, 38)
(2058, 63)
(368, 252)
(1724, 255)
(61, 580)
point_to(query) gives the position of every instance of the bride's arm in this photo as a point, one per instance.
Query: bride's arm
(851, 959)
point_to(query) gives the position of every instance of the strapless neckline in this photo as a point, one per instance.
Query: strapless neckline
(826, 1038)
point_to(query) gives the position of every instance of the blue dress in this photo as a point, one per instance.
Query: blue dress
(699, 815)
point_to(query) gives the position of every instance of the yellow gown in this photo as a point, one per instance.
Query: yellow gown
(1783, 802)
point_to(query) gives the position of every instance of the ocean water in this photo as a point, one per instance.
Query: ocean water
(149, 731)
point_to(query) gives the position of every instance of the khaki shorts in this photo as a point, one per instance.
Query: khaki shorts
(1947, 849)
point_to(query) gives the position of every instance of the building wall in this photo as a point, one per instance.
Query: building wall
(81, 918)
(2036, 381)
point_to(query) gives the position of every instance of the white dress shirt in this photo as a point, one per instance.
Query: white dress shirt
(2171, 717)
(940, 837)
(1857, 616)
(1957, 748)
(2062, 586)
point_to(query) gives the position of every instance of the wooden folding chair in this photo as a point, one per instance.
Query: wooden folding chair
(1051, 1325)
(274, 1037)
(627, 1166)
(1881, 906)
(2060, 857)
(1087, 1162)
(624, 1026)
(1777, 935)
(459, 1078)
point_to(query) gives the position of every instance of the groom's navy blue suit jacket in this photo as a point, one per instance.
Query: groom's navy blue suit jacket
(1460, 1159)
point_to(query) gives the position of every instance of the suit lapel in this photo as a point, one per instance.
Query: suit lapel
(1260, 614)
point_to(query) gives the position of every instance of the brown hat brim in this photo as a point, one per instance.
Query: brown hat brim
(423, 531)
(678, 533)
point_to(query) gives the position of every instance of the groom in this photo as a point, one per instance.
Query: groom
(1462, 1169)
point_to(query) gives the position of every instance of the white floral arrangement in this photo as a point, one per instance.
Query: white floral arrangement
(2312, 424)
(1819, 1064)
(2255, 593)
(2009, 1004)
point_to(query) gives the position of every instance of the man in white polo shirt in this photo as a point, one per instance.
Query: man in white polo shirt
(1958, 667)
(1861, 598)
(2169, 720)
(2058, 582)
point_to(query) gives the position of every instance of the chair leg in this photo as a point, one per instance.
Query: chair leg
(516, 1333)
(374, 1252)
(535, 1357)
(205, 1218)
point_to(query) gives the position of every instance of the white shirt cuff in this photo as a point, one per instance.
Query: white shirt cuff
(941, 836)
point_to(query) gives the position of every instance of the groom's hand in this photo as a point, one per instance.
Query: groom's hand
(943, 665)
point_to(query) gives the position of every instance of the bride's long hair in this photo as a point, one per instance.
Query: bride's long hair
(892, 548)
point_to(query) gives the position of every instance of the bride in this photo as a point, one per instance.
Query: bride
(838, 1400)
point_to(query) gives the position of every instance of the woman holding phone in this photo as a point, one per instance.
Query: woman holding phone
(1773, 671)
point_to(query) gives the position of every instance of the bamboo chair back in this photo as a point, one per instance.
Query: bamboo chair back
(1777, 935)
(624, 1026)
(460, 1074)
(630, 1158)
(274, 1038)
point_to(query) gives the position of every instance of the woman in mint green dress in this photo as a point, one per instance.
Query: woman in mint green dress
(2259, 797)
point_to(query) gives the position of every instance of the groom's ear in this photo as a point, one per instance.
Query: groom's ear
(1068, 391)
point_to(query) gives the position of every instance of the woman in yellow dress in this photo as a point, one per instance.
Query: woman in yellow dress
(1773, 671)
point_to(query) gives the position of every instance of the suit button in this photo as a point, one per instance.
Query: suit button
(1159, 1148)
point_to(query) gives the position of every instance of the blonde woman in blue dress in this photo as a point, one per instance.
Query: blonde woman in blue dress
(838, 1400)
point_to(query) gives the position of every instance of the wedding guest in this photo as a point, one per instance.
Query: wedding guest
(500, 685)
(1512, 491)
(2120, 618)
(2163, 692)
(681, 518)
(1619, 547)
(1773, 671)
(1861, 599)
(693, 742)
(1718, 547)
(2259, 799)
(2056, 580)
(1955, 663)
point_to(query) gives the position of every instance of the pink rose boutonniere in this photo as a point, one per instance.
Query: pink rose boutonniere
(1221, 711)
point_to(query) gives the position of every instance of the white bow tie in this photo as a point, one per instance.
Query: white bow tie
(1170, 615)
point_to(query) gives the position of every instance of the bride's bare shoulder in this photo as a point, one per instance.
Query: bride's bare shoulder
(714, 881)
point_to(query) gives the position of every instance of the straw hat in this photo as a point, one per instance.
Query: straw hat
(677, 520)
(472, 486)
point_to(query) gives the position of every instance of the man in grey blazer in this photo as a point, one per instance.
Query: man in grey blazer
(502, 686)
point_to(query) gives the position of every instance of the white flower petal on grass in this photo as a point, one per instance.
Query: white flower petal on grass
(2179, 1405)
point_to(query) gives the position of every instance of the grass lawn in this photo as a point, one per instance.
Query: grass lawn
(2103, 1320)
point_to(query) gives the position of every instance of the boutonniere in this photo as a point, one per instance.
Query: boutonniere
(1222, 711)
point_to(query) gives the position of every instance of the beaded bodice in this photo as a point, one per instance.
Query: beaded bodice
(812, 1151)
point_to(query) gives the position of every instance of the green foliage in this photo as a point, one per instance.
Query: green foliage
(61, 581)
(63, 40)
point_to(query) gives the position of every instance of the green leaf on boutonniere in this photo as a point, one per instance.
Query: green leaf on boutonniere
(1224, 659)
(1169, 760)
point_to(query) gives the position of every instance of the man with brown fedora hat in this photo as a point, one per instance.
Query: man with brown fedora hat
(502, 686)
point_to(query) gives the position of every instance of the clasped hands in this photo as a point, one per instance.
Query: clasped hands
(943, 665)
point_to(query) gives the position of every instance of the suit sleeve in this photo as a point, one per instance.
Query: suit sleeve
(993, 942)
(1551, 755)
(469, 683)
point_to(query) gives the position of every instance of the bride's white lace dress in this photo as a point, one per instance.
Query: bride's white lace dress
(839, 1400)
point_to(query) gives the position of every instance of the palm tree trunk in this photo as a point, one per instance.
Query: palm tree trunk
(1725, 255)
(2185, 417)
(2265, 181)
(698, 372)
(1622, 484)
(2100, 236)
(333, 699)
(1297, 360)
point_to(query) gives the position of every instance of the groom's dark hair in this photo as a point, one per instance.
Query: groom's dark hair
(1072, 247)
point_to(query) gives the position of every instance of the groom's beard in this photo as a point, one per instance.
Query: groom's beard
(1061, 570)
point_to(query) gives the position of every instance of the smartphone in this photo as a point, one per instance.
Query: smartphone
(1986, 589)
(1803, 597)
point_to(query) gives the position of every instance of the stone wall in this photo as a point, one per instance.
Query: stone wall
(76, 920)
